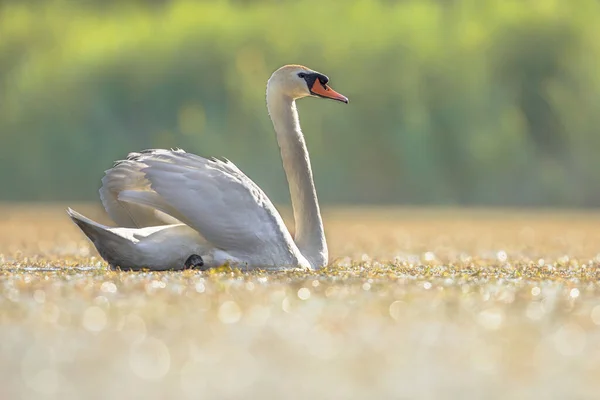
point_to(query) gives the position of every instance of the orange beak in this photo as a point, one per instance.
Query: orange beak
(322, 90)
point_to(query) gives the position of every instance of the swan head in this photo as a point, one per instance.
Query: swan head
(297, 81)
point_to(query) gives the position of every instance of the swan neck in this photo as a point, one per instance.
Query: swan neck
(310, 234)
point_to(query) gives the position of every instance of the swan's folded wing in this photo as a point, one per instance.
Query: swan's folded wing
(217, 199)
(126, 176)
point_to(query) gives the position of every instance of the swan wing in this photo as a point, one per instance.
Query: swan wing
(215, 198)
(126, 176)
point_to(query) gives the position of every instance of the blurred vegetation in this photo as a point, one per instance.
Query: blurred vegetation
(490, 102)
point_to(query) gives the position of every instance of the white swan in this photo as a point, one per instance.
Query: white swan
(178, 210)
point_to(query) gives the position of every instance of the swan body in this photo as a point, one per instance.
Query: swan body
(172, 206)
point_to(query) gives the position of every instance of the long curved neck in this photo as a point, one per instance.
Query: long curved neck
(310, 235)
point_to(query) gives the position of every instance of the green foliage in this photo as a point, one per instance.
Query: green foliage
(451, 102)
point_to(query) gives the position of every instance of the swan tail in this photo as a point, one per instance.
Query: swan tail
(91, 228)
(109, 244)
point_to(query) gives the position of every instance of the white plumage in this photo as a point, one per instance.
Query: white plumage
(171, 205)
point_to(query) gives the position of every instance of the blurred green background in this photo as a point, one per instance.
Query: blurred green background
(452, 102)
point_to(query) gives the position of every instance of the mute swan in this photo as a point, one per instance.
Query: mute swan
(178, 210)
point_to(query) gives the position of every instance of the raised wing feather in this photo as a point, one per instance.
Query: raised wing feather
(218, 200)
(126, 176)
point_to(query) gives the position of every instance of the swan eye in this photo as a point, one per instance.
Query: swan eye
(302, 75)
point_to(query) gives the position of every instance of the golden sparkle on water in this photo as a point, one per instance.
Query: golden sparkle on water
(415, 304)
